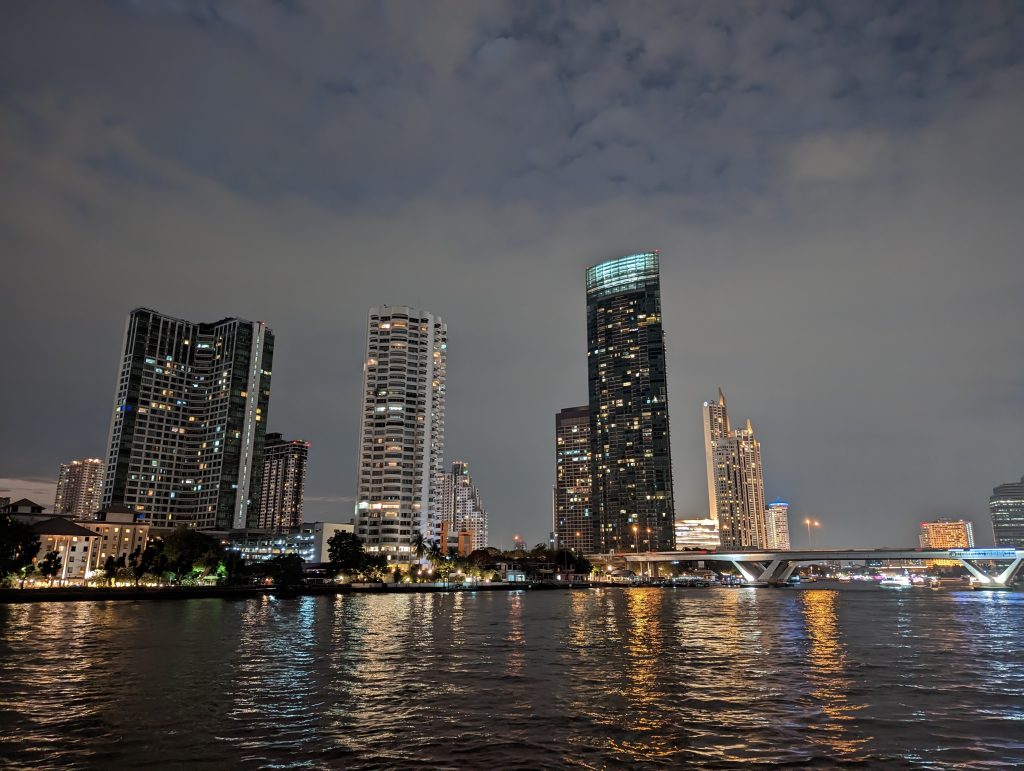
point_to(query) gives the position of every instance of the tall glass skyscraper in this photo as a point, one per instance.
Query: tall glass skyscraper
(631, 463)
(401, 437)
(189, 419)
(1007, 508)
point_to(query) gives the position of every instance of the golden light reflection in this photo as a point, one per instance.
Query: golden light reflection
(832, 684)
(515, 637)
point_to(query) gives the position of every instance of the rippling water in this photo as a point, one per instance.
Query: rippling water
(609, 678)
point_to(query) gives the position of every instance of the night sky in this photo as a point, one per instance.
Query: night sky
(837, 191)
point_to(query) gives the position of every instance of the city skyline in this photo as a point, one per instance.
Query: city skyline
(834, 195)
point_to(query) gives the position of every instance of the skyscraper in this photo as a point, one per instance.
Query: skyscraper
(190, 410)
(1007, 509)
(778, 526)
(573, 524)
(401, 436)
(284, 483)
(735, 479)
(461, 514)
(79, 488)
(631, 464)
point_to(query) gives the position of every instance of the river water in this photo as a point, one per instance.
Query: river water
(599, 678)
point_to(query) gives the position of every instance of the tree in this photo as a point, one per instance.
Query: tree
(187, 550)
(374, 566)
(346, 552)
(420, 545)
(286, 570)
(110, 568)
(25, 572)
(18, 546)
(50, 565)
(583, 566)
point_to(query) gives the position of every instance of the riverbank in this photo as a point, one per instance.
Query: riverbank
(93, 594)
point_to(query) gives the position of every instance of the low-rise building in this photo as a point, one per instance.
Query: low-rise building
(119, 533)
(310, 541)
(73, 543)
(697, 534)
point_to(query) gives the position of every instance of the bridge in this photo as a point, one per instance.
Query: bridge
(775, 567)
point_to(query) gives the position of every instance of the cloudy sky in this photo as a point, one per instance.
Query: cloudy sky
(837, 190)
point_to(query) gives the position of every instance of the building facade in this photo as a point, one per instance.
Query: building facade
(947, 534)
(401, 436)
(118, 534)
(631, 463)
(572, 522)
(697, 534)
(1007, 509)
(461, 514)
(79, 488)
(735, 479)
(72, 543)
(283, 486)
(189, 418)
(777, 521)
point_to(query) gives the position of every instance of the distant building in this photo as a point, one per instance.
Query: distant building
(777, 522)
(572, 521)
(735, 479)
(188, 421)
(283, 487)
(697, 534)
(73, 543)
(1007, 509)
(947, 534)
(309, 541)
(401, 435)
(79, 488)
(630, 459)
(5, 501)
(23, 506)
(462, 517)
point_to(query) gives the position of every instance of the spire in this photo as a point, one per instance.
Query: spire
(721, 396)
(750, 428)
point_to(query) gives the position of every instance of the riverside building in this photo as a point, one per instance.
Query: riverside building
(573, 525)
(735, 479)
(461, 516)
(283, 486)
(777, 522)
(630, 461)
(1007, 509)
(79, 488)
(697, 534)
(188, 423)
(401, 435)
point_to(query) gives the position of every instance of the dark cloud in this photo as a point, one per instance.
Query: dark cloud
(835, 188)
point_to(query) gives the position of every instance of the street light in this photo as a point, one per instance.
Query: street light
(648, 539)
(636, 543)
(811, 523)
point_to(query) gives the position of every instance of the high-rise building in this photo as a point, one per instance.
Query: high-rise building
(777, 522)
(947, 534)
(401, 436)
(697, 534)
(462, 517)
(735, 479)
(1007, 509)
(190, 411)
(284, 483)
(573, 526)
(631, 464)
(79, 488)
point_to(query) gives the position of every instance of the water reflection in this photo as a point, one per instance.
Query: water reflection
(831, 683)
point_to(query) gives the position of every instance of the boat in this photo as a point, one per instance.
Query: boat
(895, 582)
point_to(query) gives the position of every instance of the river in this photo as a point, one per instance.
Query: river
(599, 678)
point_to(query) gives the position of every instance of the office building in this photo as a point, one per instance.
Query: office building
(631, 464)
(1007, 509)
(462, 517)
(401, 436)
(777, 524)
(79, 488)
(697, 534)
(189, 418)
(310, 541)
(735, 479)
(283, 486)
(572, 523)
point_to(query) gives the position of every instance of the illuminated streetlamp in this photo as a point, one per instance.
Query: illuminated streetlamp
(636, 543)
(811, 523)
